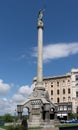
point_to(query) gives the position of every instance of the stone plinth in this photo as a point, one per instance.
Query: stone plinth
(39, 107)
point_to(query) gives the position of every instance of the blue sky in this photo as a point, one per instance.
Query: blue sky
(18, 40)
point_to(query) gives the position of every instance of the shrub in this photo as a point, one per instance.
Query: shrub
(8, 118)
(18, 127)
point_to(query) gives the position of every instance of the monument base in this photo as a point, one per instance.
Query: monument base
(39, 108)
(41, 124)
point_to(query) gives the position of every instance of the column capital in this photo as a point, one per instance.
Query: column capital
(40, 24)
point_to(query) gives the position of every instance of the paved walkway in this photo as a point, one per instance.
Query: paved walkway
(50, 129)
(2, 129)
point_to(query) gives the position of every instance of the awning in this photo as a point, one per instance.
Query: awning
(62, 114)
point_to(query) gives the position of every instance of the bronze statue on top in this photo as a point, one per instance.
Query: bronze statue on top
(40, 14)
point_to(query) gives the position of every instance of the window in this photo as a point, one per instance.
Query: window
(76, 85)
(63, 83)
(63, 99)
(51, 84)
(45, 84)
(61, 108)
(68, 82)
(58, 108)
(51, 92)
(57, 91)
(69, 99)
(63, 91)
(52, 99)
(76, 77)
(69, 108)
(76, 93)
(69, 90)
(65, 108)
(77, 109)
(57, 83)
(58, 100)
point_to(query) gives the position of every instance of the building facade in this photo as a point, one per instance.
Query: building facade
(63, 92)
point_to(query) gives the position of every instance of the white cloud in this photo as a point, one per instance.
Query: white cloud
(59, 50)
(7, 106)
(4, 87)
(25, 90)
(18, 98)
(23, 93)
(21, 57)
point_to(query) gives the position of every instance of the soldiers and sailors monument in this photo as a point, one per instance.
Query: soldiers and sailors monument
(40, 108)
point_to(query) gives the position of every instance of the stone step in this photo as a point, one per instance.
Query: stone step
(49, 128)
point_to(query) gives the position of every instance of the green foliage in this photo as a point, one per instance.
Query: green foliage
(8, 118)
(25, 117)
(18, 127)
(67, 125)
(4, 127)
(1, 117)
(73, 116)
(15, 118)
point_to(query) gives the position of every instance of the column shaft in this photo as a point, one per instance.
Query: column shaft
(40, 56)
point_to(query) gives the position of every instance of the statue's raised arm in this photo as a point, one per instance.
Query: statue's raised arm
(40, 14)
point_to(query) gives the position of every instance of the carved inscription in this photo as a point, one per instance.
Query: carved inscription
(36, 111)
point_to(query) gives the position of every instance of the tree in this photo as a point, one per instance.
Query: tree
(8, 118)
(73, 116)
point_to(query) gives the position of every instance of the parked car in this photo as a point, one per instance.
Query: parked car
(72, 121)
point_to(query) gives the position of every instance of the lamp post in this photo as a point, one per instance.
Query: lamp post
(14, 117)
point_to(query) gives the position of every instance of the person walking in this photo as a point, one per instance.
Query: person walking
(25, 124)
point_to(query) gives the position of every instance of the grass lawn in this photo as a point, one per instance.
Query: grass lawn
(6, 128)
(66, 125)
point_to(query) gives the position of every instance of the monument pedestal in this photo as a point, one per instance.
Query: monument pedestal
(39, 107)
